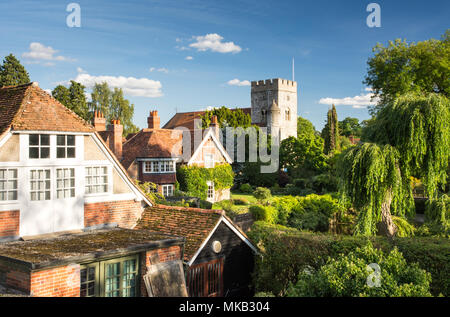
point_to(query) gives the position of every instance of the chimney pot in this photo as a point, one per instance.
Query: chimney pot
(153, 120)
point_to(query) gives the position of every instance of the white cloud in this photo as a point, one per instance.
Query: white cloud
(357, 102)
(139, 87)
(189, 58)
(39, 53)
(240, 83)
(213, 42)
(161, 70)
(80, 70)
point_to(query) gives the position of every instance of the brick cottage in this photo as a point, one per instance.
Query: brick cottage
(67, 207)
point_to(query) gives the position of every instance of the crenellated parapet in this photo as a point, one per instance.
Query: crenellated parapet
(274, 84)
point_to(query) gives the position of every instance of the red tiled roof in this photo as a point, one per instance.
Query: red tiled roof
(186, 119)
(193, 224)
(149, 143)
(160, 179)
(28, 107)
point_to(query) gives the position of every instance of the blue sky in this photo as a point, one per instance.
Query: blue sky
(143, 46)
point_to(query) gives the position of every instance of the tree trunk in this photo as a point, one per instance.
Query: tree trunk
(387, 227)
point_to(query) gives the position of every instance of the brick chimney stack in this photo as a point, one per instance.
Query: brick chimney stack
(99, 121)
(115, 138)
(215, 126)
(154, 120)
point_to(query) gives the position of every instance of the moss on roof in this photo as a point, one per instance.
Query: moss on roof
(42, 252)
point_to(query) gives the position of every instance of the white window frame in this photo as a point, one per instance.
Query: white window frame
(68, 183)
(164, 167)
(6, 180)
(107, 184)
(37, 181)
(209, 160)
(65, 146)
(39, 146)
(168, 190)
(210, 185)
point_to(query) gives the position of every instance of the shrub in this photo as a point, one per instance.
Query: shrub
(286, 252)
(301, 183)
(205, 204)
(314, 212)
(262, 194)
(284, 205)
(246, 189)
(348, 276)
(324, 183)
(240, 201)
(264, 213)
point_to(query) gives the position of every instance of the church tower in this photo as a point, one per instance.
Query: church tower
(274, 105)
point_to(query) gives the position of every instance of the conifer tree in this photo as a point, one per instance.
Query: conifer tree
(12, 73)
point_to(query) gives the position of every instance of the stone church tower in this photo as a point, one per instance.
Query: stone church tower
(274, 105)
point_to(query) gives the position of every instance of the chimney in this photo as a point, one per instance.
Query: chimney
(215, 126)
(153, 120)
(115, 138)
(99, 121)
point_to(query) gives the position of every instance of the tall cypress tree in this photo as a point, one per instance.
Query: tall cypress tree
(13, 73)
(330, 132)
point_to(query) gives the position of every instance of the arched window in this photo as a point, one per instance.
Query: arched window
(264, 115)
(288, 115)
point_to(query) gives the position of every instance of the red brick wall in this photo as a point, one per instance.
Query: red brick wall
(164, 255)
(57, 282)
(14, 276)
(9, 223)
(124, 213)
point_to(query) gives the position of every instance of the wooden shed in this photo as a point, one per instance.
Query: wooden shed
(219, 257)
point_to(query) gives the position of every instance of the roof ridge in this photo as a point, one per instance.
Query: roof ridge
(26, 97)
(199, 210)
(16, 86)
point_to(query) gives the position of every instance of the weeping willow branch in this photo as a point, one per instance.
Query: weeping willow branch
(411, 137)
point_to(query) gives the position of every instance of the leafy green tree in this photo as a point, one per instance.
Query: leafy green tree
(401, 67)
(303, 155)
(305, 128)
(411, 139)
(350, 126)
(101, 98)
(227, 118)
(73, 98)
(114, 106)
(12, 73)
(330, 132)
(354, 275)
(120, 108)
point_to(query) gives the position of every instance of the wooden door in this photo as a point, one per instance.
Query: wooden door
(206, 279)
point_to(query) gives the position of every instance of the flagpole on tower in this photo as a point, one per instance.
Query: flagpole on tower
(293, 69)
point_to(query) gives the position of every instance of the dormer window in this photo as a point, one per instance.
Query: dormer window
(39, 146)
(65, 146)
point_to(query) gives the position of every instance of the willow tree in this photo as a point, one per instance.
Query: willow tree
(411, 137)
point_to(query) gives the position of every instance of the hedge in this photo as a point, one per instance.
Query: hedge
(286, 252)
